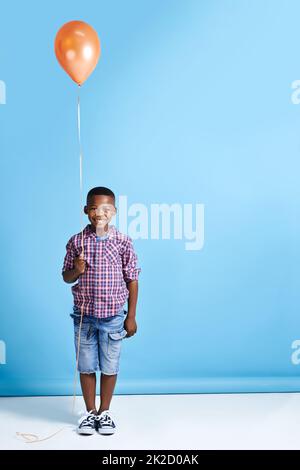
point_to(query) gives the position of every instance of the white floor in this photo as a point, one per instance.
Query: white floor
(229, 421)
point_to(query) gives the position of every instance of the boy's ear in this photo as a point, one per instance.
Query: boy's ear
(85, 210)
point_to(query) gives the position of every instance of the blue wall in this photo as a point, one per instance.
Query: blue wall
(191, 103)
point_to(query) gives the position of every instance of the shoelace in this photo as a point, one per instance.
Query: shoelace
(87, 419)
(105, 418)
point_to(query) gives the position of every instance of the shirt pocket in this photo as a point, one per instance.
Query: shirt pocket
(111, 254)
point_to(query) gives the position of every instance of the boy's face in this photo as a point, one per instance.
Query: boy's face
(100, 210)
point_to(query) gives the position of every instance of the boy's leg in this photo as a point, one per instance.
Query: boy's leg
(107, 386)
(88, 387)
(88, 362)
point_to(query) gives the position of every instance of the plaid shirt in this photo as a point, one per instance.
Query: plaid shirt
(110, 263)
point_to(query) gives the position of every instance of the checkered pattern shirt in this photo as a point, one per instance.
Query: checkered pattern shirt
(111, 262)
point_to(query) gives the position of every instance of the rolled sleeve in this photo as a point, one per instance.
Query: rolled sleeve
(69, 257)
(131, 270)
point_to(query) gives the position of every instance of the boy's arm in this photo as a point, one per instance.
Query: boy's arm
(131, 273)
(130, 323)
(132, 286)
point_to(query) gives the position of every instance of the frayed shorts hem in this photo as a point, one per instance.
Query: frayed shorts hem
(110, 373)
(88, 371)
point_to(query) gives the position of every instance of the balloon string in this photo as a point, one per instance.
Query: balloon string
(80, 166)
(31, 438)
(82, 244)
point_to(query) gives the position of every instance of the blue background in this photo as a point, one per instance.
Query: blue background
(190, 103)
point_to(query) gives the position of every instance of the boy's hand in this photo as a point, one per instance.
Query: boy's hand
(130, 326)
(79, 264)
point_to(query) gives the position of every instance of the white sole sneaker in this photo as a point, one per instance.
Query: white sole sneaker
(86, 424)
(105, 424)
(85, 432)
(106, 431)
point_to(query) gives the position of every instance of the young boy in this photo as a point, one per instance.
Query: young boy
(107, 276)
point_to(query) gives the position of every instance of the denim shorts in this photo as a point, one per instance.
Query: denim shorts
(100, 342)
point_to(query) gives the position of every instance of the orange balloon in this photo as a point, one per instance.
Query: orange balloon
(77, 49)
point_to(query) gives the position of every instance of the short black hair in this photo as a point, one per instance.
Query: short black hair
(100, 191)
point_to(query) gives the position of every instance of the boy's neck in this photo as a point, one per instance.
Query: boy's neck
(94, 228)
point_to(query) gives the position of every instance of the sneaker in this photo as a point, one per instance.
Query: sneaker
(86, 424)
(104, 423)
